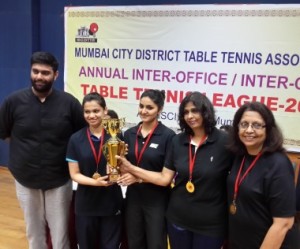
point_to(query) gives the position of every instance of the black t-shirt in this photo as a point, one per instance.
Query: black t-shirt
(91, 200)
(39, 133)
(267, 191)
(205, 210)
(152, 159)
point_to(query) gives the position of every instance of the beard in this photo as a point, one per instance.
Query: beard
(41, 86)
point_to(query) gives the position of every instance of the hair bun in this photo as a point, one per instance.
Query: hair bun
(163, 94)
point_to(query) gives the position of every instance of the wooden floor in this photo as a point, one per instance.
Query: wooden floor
(12, 226)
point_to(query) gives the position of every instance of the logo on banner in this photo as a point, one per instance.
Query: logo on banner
(87, 34)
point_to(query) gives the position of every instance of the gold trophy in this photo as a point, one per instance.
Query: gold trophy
(114, 146)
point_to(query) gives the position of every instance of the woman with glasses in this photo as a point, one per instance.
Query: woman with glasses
(261, 192)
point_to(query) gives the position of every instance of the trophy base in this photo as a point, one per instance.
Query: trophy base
(113, 177)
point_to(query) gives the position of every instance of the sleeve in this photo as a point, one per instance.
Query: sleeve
(169, 139)
(280, 188)
(169, 156)
(6, 120)
(71, 155)
(77, 115)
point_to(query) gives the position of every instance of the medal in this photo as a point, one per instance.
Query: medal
(174, 180)
(232, 208)
(190, 187)
(238, 181)
(97, 157)
(96, 175)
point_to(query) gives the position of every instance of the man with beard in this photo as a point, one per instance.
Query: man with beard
(38, 122)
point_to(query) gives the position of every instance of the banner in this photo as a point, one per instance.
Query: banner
(231, 53)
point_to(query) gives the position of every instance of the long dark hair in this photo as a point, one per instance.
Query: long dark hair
(205, 108)
(274, 138)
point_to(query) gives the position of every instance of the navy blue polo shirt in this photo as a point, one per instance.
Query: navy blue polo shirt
(91, 200)
(152, 159)
(205, 210)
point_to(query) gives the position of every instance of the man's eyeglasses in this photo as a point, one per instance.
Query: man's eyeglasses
(254, 126)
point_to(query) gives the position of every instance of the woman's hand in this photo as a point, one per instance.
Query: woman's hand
(127, 179)
(163, 178)
(102, 181)
(124, 164)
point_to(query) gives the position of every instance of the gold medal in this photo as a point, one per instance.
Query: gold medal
(96, 175)
(173, 183)
(190, 187)
(232, 208)
(174, 180)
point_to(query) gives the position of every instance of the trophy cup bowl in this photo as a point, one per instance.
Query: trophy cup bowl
(114, 146)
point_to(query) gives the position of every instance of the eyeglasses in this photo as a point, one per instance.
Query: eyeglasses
(254, 126)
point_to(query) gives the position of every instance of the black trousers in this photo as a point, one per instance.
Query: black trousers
(99, 231)
(145, 226)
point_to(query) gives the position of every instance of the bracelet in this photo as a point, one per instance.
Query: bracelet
(139, 180)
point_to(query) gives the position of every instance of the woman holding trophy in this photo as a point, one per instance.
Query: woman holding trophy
(200, 162)
(146, 203)
(98, 202)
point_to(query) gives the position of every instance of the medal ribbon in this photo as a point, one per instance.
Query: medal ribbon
(239, 180)
(96, 156)
(137, 155)
(193, 158)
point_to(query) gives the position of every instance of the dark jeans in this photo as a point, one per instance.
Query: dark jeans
(181, 238)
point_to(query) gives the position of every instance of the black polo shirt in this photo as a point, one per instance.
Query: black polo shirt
(91, 200)
(39, 133)
(267, 191)
(205, 210)
(152, 159)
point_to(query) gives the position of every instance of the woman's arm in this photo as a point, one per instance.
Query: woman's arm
(162, 178)
(277, 232)
(85, 180)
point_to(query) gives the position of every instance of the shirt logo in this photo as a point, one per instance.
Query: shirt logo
(152, 145)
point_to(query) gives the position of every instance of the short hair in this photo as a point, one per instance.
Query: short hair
(96, 97)
(157, 96)
(44, 58)
(274, 138)
(203, 106)
(112, 114)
